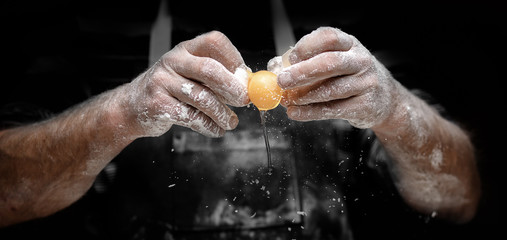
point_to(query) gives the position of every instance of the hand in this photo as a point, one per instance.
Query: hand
(333, 76)
(190, 86)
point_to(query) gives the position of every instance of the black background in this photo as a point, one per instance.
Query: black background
(54, 56)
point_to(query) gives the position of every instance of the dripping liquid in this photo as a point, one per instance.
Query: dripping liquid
(266, 140)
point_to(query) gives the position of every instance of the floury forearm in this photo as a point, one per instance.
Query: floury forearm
(333, 76)
(46, 166)
(432, 160)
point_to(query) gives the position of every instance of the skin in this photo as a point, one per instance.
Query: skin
(46, 166)
(333, 76)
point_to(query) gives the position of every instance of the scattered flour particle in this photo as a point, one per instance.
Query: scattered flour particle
(302, 213)
(436, 158)
(172, 185)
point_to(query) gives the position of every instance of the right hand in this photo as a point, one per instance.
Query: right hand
(333, 76)
(190, 86)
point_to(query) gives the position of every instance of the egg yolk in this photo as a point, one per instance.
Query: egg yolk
(263, 90)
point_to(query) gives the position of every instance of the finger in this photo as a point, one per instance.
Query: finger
(173, 111)
(188, 116)
(320, 111)
(357, 110)
(323, 66)
(217, 46)
(203, 99)
(200, 122)
(211, 73)
(313, 112)
(323, 39)
(330, 89)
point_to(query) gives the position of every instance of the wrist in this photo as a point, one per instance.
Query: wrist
(119, 115)
(404, 107)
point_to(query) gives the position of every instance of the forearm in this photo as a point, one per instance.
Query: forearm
(433, 161)
(46, 166)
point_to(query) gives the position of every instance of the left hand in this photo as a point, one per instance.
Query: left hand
(333, 76)
(191, 86)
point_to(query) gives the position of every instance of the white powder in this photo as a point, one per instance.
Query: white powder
(156, 126)
(275, 65)
(242, 74)
(206, 100)
(233, 92)
(186, 88)
(417, 119)
(302, 213)
(436, 158)
(184, 109)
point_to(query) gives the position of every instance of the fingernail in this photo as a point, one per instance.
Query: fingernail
(293, 58)
(293, 112)
(286, 58)
(284, 79)
(233, 122)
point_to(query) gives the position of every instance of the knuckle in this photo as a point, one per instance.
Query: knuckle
(333, 60)
(366, 60)
(157, 74)
(364, 64)
(156, 79)
(326, 29)
(215, 38)
(370, 82)
(355, 41)
(207, 67)
(169, 59)
(330, 37)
